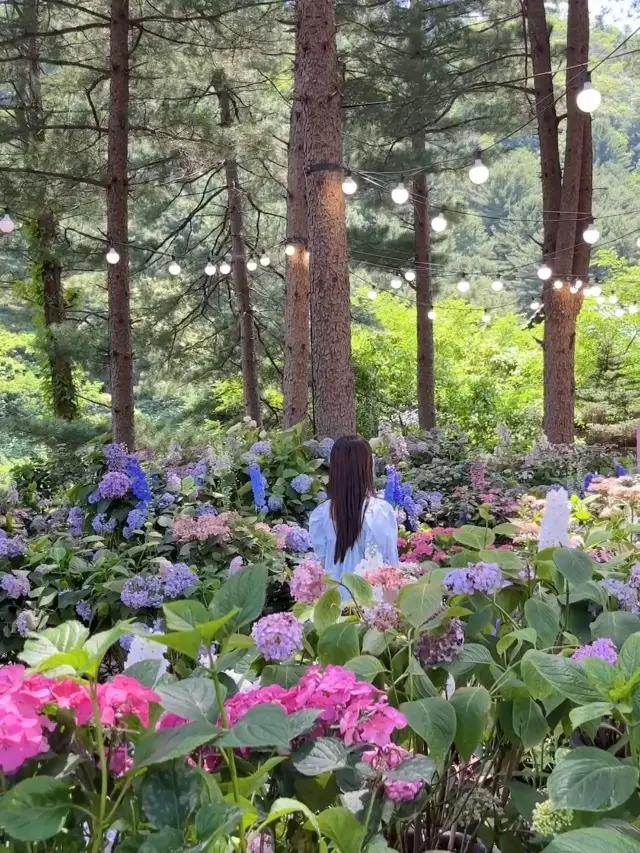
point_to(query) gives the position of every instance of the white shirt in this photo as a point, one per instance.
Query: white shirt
(379, 531)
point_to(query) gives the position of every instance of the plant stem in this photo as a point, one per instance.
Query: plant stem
(231, 759)
(98, 828)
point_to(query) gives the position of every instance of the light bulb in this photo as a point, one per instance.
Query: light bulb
(265, 260)
(544, 272)
(372, 295)
(7, 224)
(497, 285)
(535, 305)
(396, 283)
(463, 285)
(431, 314)
(225, 267)
(591, 234)
(558, 284)
(439, 223)
(587, 291)
(410, 275)
(596, 290)
(486, 317)
(638, 242)
(400, 194)
(613, 299)
(574, 289)
(619, 312)
(589, 99)
(112, 256)
(579, 283)
(252, 265)
(633, 309)
(601, 300)
(478, 173)
(289, 249)
(174, 267)
(349, 186)
(210, 269)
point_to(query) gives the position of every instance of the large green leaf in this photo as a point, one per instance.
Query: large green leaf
(474, 537)
(366, 666)
(261, 726)
(510, 561)
(360, 589)
(327, 610)
(285, 676)
(245, 590)
(170, 793)
(544, 621)
(472, 705)
(591, 780)
(593, 840)
(184, 615)
(338, 644)
(193, 698)
(35, 809)
(617, 626)
(163, 745)
(434, 720)
(629, 660)
(68, 637)
(321, 755)
(214, 820)
(418, 602)
(545, 674)
(190, 642)
(167, 840)
(341, 827)
(586, 713)
(418, 768)
(574, 565)
(528, 721)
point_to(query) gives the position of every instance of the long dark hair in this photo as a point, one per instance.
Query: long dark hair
(350, 487)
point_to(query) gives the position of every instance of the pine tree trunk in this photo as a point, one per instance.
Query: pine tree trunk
(120, 333)
(424, 303)
(333, 380)
(240, 274)
(296, 309)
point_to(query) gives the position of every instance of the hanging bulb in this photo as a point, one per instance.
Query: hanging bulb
(210, 268)
(589, 99)
(591, 234)
(463, 285)
(544, 272)
(265, 260)
(535, 305)
(372, 295)
(225, 267)
(431, 314)
(619, 312)
(174, 266)
(400, 194)
(486, 317)
(289, 250)
(396, 283)
(112, 256)
(252, 265)
(349, 186)
(478, 173)
(574, 289)
(613, 299)
(601, 300)
(596, 290)
(558, 284)
(410, 275)
(497, 285)
(6, 223)
(439, 223)
(579, 283)
(633, 309)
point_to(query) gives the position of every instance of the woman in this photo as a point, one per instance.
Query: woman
(353, 518)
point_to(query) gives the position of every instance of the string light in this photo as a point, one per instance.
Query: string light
(478, 173)
(265, 260)
(591, 234)
(589, 98)
(410, 275)
(613, 299)
(596, 290)
(558, 284)
(372, 295)
(112, 256)
(400, 194)
(210, 268)
(396, 283)
(439, 222)
(252, 265)
(431, 314)
(6, 223)
(497, 285)
(289, 250)
(225, 267)
(463, 285)
(174, 266)
(544, 272)
(349, 186)
(535, 305)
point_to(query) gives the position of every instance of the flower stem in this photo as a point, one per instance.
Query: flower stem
(99, 827)
(230, 756)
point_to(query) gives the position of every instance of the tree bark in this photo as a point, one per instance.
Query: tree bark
(424, 303)
(333, 380)
(296, 308)
(240, 274)
(118, 284)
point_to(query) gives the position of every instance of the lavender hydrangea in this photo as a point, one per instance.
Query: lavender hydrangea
(260, 842)
(321, 497)
(382, 617)
(94, 497)
(302, 484)
(83, 609)
(258, 487)
(236, 564)
(325, 447)
(75, 520)
(114, 484)
(410, 507)
(275, 503)
(115, 456)
(479, 577)
(634, 576)
(142, 591)
(166, 500)
(11, 547)
(102, 524)
(15, 586)
(206, 509)
(442, 648)
(178, 579)
(278, 636)
(39, 523)
(261, 448)
(174, 482)
(299, 540)
(604, 649)
(22, 624)
(135, 520)
(625, 594)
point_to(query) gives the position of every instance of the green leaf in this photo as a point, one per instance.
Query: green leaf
(263, 725)
(170, 793)
(592, 711)
(163, 745)
(167, 840)
(245, 590)
(327, 610)
(184, 615)
(529, 722)
(418, 684)
(99, 644)
(525, 798)
(418, 602)
(472, 705)
(434, 720)
(629, 660)
(359, 588)
(285, 676)
(68, 637)
(592, 840)
(597, 536)
(618, 626)
(341, 827)
(322, 755)
(574, 565)
(284, 806)
(506, 529)
(35, 809)
(472, 655)
(418, 768)
(544, 621)
(338, 644)
(216, 819)
(545, 674)
(189, 642)
(248, 785)
(301, 721)
(474, 537)
(147, 672)
(366, 666)
(193, 698)
(374, 642)
(510, 561)
(591, 780)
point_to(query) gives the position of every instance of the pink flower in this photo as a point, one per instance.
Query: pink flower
(370, 723)
(307, 583)
(172, 721)
(187, 528)
(388, 758)
(120, 762)
(68, 694)
(238, 705)
(400, 790)
(390, 579)
(123, 696)
(22, 726)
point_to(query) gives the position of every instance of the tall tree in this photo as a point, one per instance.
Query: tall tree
(320, 87)
(118, 283)
(424, 303)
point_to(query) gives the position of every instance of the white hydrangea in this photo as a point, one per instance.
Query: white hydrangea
(143, 649)
(554, 529)
(371, 562)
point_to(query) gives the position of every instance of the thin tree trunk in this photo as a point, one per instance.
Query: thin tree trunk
(240, 274)
(296, 308)
(424, 303)
(120, 333)
(333, 380)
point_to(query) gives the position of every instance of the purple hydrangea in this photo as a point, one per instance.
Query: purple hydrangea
(382, 617)
(275, 503)
(166, 500)
(260, 842)
(94, 497)
(261, 448)
(115, 456)
(434, 499)
(588, 479)
(102, 524)
(634, 576)
(174, 482)
(126, 641)
(302, 484)
(75, 520)
(178, 579)
(142, 591)
(410, 507)
(22, 624)
(114, 484)
(39, 523)
(325, 447)
(321, 497)
(604, 649)
(15, 586)
(527, 574)
(478, 577)
(278, 636)
(135, 520)
(299, 539)
(206, 509)
(83, 609)
(12, 547)
(236, 564)
(258, 486)
(625, 594)
(446, 647)
(621, 471)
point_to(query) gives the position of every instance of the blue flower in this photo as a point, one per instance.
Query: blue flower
(261, 448)
(139, 482)
(302, 484)
(178, 579)
(275, 503)
(165, 500)
(393, 493)
(325, 447)
(103, 524)
(321, 497)
(135, 520)
(258, 486)
(206, 509)
(621, 471)
(114, 484)
(75, 520)
(298, 539)
(83, 609)
(115, 456)
(141, 591)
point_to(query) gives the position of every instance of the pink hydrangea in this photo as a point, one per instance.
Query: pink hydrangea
(388, 758)
(401, 790)
(388, 577)
(187, 528)
(307, 583)
(366, 722)
(22, 726)
(123, 696)
(238, 705)
(120, 762)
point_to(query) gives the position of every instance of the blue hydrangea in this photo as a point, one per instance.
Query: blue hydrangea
(75, 520)
(114, 484)
(102, 524)
(11, 547)
(434, 499)
(139, 482)
(621, 471)
(302, 484)
(15, 586)
(206, 509)
(135, 520)
(178, 579)
(410, 506)
(83, 609)
(94, 497)
(588, 479)
(321, 497)
(258, 487)
(325, 447)
(174, 481)
(22, 624)
(393, 493)
(298, 539)
(625, 594)
(166, 500)
(115, 456)
(275, 503)
(261, 448)
(478, 577)
(142, 591)
(39, 523)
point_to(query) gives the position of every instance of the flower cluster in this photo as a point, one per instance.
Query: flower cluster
(275, 503)
(422, 546)
(292, 537)
(382, 617)
(302, 484)
(549, 820)
(477, 577)
(444, 647)
(135, 520)
(258, 487)
(75, 520)
(278, 636)
(139, 482)
(178, 579)
(261, 448)
(624, 488)
(115, 456)
(603, 649)
(393, 487)
(626, 594)
(15, 585)
(187, 528)
(307, 583)
(102, 524)
(114, 484)
(142, 591)
(11, 547)
(83, 609)
(389, 757)
(478, 476)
